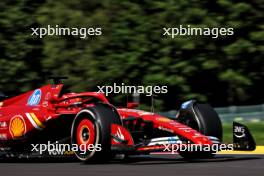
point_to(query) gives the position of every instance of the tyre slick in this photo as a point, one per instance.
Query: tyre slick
(91, 128)
(204, 119)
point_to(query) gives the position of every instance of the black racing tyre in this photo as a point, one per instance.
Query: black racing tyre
(203, 118)
(92, 127)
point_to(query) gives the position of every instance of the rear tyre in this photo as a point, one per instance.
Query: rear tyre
(91, 131)
(203, 118)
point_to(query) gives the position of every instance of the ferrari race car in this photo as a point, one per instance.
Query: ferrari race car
(98, 130)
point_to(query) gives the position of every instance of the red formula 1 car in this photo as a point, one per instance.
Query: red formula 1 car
(87, 120)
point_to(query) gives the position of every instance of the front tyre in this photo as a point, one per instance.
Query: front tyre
(203, 118)
(91, 132)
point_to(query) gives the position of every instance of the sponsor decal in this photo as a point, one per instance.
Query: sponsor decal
(46, 99)
(3, 125)
(239, 131)
(57, 152)
(119, 134)
(165, 129)
(173, 139)
(140, 112)
(34, 99)
(164, 140)
(45, 103)
(3, 136)
(163, 119)
(48, 95)
(17, 126)
(186, 129)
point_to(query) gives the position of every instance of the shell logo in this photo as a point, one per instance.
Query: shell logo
(17, 126)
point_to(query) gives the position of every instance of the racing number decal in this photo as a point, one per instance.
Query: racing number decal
(17, 126)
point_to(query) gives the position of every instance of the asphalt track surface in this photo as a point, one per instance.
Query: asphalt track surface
(160, 165)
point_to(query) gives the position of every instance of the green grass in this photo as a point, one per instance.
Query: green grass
(256, 129)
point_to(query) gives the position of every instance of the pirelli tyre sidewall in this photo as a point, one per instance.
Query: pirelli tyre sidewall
(203, 118)
(101, 116)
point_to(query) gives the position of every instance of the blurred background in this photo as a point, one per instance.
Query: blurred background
(227, 71)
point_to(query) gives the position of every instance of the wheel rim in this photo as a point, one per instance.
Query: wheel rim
(85, 133)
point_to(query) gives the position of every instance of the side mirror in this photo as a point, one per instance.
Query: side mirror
(132, 105)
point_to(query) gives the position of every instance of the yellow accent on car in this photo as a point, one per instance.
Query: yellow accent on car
(38, 122)
(258, 150)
